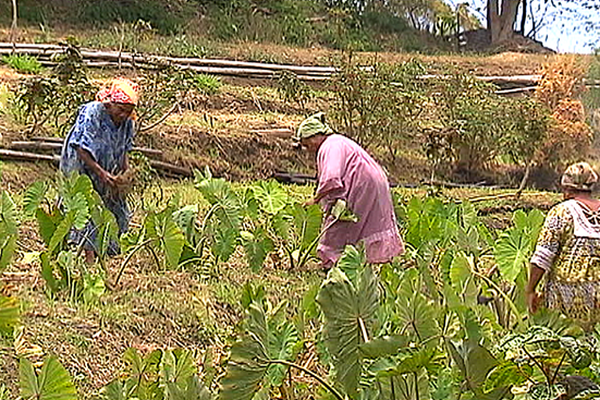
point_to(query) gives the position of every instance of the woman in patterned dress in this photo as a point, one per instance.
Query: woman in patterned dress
(97, 146)
(568, 251)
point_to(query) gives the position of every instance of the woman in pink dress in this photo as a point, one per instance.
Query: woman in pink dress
(346, 171)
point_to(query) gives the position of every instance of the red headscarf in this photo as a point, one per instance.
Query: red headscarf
(121, 90)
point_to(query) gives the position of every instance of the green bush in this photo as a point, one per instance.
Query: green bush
(380, 105)
(23, 63)
(207, 84)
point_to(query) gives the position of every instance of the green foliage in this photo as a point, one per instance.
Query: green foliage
(9, 229)
(55, 98)
(9, 314)
(260, 358)
(293, 90)
(52, 382)
(349, 310)
(23, 63)
(207, 84)
(515, 245)
(161, 375)
(379, 106)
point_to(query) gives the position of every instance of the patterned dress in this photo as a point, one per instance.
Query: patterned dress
(568, 249)
(95, 132)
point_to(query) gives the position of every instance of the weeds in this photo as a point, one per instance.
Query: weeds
(23, 63)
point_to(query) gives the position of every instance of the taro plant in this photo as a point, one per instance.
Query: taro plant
(52, 381)
(9, 229)
(548, 364)
(160, 375)
(72, 205)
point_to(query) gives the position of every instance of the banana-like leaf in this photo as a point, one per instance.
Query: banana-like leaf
(271, 196)
(78, 206)
(177, 366)
(52, 383)
(257, 245)
(225, 241)
(166, 236)
(248, 363)
(33, 197)
(9, 313)
(281, 347)
(307, 224)
(349, 312)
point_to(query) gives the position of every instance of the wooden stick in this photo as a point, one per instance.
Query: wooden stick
(24, 156)
(56, 145)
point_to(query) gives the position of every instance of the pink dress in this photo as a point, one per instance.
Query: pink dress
(346, 171)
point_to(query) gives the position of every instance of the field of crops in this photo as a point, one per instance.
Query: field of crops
(217, 294)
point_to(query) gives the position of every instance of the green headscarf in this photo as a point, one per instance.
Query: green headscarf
(313, 125)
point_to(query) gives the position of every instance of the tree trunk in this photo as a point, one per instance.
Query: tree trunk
(501, 19)
(13, 26)
(524, 18)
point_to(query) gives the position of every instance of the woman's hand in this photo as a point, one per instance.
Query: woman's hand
(107, 178)
(533, 301)
(309, 203)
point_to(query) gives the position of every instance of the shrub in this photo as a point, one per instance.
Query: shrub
(207, 84)
(23, 63)
(379, 106)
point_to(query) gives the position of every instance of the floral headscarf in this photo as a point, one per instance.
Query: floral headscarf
(121, 90)
(580, 176)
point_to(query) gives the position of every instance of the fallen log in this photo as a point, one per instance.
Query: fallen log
(57, 143)
(24, 156)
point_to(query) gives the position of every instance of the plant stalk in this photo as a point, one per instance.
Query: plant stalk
(326, 385)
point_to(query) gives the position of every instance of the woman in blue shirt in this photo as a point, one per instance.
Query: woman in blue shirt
(97, 146)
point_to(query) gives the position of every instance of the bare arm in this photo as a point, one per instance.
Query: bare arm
(89, 161)
(533, 299)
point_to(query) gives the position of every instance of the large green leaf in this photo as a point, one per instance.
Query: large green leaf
(7, 249)
(307, 224)
(281, 347)
(190, 389)
(271, 196)
(177, 366)
(248, 362)
(186, 219)
(52, 383)
(9, 313)
(384, 346)
(47, 224)
(257, 245)
(61, 232)
(416, 313)
(8, 214)
(166, 236)
(512, 253)
(107, 230)
(474, 362)
(225, 203)
(33, 197)
(349, 312)
(78, 206)
(224, 242)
